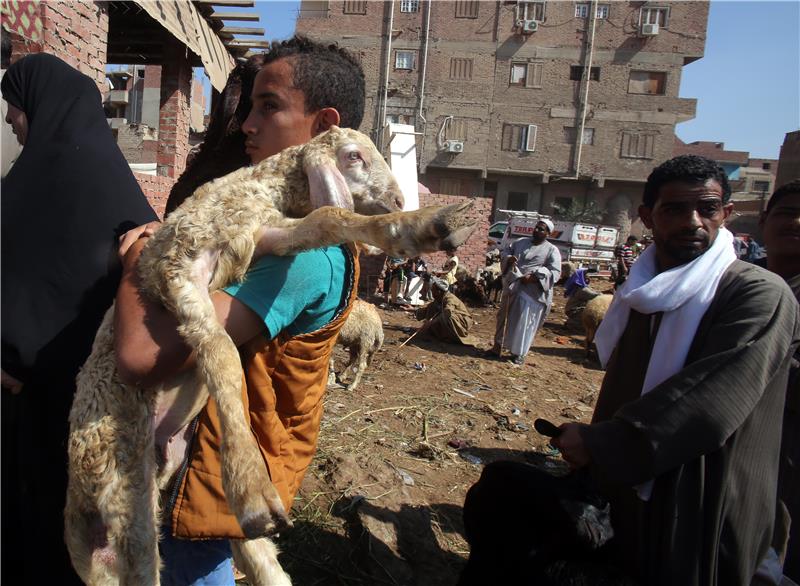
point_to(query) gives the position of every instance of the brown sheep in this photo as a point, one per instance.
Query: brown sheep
(206, 244)
(362, 335)
(592, 315)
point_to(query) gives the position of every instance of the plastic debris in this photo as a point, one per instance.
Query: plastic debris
(405, 476)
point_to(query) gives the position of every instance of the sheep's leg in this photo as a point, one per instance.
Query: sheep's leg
(258, 559)
(362, 366)
(248, 489)
(399, 233)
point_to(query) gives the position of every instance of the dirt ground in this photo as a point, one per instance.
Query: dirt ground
(382, 501)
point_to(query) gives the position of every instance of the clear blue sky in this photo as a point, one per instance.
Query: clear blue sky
(747, 85)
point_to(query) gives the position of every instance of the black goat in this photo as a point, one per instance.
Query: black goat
(528, 527)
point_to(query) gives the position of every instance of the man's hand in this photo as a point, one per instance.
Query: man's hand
(529, 278)
(570, 443)
(10, 383)
(131, 236)
(511, 259)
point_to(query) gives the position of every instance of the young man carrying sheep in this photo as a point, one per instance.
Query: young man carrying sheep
(284, 317)
(686, 434)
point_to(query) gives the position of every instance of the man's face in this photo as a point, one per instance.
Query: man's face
(278, 118)
(18, 121)
(685, 220)
(540, 232)
(781, 227)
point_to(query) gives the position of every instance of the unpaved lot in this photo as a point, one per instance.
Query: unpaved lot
(381, 503)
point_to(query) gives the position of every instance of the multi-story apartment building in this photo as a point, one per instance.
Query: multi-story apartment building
(528, 102)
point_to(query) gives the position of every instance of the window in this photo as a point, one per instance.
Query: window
(409, 5)
(456, 129)
(653, 15)
(637, 145)
(466, 8)
(518, 137)
(460, 68)
(582, 11)
(526, 74)
(449, 186)
(647, 82)
(576, 73)
(530, 11)
(570, 133)
(766, 166)
(398, 119)
(517, 200)
(490, 190)
(404, 59)
(355, 6)
(760, 186)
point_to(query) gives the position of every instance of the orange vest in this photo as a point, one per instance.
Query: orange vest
(284, 381)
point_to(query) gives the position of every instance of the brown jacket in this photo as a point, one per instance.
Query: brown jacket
(284, 383)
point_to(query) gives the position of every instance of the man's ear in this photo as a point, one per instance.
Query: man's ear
(727, 210)
(646, 214)
(326, 118)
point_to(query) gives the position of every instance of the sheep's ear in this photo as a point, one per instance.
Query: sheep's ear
(327, 186)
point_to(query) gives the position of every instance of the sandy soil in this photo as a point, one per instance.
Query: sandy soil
(381, 503)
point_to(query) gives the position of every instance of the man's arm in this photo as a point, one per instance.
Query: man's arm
(148, 347)
(695, 411)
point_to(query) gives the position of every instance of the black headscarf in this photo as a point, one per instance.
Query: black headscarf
(65, 201)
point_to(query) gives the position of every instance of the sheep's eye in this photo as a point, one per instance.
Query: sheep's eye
(354, 156)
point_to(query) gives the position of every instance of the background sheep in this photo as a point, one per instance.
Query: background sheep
(204, 245)
(362, 335)
(592, 315)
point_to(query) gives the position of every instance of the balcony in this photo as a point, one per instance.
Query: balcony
(117, 97)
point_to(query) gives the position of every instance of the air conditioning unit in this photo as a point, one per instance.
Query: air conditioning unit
(454, 146)
(529, 26)
(649, 30)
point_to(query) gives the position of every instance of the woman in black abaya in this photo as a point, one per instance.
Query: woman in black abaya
(65, 202)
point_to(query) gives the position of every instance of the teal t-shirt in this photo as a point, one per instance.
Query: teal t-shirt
(299, 294)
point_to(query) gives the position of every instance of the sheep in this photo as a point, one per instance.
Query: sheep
(362, 335)
(576, 303)
(526, 526)
(592, 315)
(114, 481)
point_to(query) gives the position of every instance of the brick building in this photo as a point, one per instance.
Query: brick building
(501, 91)
(167, 38)
(789, 161)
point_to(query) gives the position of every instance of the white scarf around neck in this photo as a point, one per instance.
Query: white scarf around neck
(682, 293)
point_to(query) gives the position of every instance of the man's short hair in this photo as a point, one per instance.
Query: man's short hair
(632, 239)
(688, 169)
(786, 189)
(328, 76)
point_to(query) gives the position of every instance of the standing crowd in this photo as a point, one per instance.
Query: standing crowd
(694, 440)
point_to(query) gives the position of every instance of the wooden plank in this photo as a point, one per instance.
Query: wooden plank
(237, 3)
(241, 43)
(241, 16)
(242, 30)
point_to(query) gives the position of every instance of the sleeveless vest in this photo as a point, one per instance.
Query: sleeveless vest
(284, 381)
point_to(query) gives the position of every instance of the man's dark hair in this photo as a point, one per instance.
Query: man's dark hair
(632, 239)
(786, 189)
(688, 169)
(328, 76)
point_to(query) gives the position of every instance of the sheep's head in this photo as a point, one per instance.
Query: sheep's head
(345, 169)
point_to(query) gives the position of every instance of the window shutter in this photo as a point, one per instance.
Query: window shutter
(534, 77)
(530, 138)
